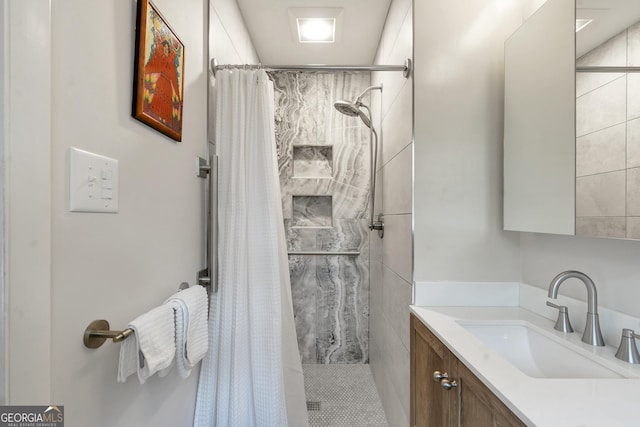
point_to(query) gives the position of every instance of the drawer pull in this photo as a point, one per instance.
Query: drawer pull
(448, 385)
(439, 376)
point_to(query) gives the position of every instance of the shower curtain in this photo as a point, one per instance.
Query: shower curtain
(252, 374)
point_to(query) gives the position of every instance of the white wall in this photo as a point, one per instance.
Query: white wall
(71, 268)
(391, 257)
(27, 174)
(459, 78)
(119, 266)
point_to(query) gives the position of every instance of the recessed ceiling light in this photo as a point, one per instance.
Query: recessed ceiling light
(316, 30)
(581, 23)
(321, 25)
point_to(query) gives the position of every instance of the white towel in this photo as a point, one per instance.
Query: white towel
(192, 330)
(151, 348)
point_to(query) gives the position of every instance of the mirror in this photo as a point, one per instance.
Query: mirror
(572, 120)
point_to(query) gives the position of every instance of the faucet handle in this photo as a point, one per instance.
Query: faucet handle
(628, 351)
(562, 324)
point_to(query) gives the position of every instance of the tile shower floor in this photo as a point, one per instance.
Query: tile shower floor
(342, 395)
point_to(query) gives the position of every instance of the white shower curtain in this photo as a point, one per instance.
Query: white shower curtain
(252, 374)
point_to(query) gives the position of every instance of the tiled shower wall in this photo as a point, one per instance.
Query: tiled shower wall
(323, 159)
(608, 141)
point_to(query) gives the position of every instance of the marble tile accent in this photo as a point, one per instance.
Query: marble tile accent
(601, 195)
(312, 211)
(342, 310)
(601, 151)
(602, 107)
(313, 162)
(323, 159)
(604, 226)
(633, 192)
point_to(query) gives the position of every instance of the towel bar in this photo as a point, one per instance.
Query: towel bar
(99, 331)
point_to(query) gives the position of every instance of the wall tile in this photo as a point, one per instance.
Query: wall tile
(330, 292)
(396, 298)
(601, 108)
(397, 129)
(633, 95)
(601, 226)
(612, 52)
(397, 183)
(601, 195)
(633, 143)
(601, 151)
(397, 250)
(633, 227)
(633, 192)
(633, 45)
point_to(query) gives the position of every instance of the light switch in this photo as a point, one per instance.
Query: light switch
(93, 182)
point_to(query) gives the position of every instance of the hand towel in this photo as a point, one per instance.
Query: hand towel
(192, 330)
(151, 348)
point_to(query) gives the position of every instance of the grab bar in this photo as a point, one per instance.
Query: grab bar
(348, 253)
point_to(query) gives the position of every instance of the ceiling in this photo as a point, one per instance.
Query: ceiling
(269, 24)
(610, 17)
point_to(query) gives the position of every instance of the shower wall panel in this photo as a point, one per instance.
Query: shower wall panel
(330, 292)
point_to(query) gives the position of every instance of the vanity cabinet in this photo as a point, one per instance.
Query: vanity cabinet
(459, 398)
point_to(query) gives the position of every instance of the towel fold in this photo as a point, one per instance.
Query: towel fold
(151, 348)
(192, 330)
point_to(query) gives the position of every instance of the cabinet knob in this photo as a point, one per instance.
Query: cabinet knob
(448, 385)
(439, 376)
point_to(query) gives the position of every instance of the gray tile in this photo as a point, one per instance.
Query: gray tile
(633, 227)
(633, 45)
(633, 192)
(396, 298)
(602, 107)
(302, 270)
(601, 151)
(313, 162)
(397, 125)
(633, 143)
(601, 227)
(601, 195)
(396, 183)
(611, 52)
(347, 396)
(312, 211)
(397, 246)
(633, 95)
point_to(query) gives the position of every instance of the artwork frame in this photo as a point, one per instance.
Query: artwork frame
(158, 83)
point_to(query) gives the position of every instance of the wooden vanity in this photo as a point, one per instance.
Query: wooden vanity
(458, 398)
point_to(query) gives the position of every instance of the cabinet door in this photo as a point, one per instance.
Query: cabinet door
(429, 402)
(478, 406)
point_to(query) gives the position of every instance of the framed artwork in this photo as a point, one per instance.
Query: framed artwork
(158, 73)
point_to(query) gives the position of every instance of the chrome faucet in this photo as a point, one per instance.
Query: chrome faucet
(592, 334)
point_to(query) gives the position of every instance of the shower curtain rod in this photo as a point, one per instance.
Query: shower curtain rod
(406, 68)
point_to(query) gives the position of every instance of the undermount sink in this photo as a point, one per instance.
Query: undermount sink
(537, 353)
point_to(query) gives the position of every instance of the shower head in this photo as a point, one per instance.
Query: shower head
(347, 108)
(352, 110)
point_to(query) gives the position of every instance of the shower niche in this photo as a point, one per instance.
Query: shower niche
(323, 160)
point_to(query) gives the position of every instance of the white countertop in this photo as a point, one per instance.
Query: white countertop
(538, 401)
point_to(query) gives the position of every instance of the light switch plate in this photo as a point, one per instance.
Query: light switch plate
(93, 182)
